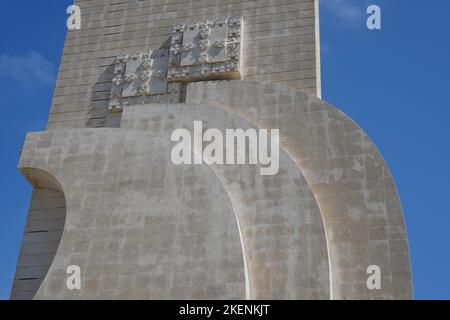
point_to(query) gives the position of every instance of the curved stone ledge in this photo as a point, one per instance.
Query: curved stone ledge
(352, 183)
(138, 226)
(282, 229)
(141, 227)
(106, 171)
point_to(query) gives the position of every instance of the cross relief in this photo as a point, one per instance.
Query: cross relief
(199, 51)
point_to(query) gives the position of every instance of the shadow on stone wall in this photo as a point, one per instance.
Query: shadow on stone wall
(42, 235)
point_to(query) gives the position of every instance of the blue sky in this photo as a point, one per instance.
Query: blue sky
(392, 82)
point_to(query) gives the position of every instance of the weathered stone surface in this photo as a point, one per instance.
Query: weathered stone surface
(138, 226)
(351, 182)
(281, 226)
(332, 206)
(279, 44)
(111, 201)
(42, 235)
(280, 235)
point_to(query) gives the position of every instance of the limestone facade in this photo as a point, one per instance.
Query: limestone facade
(109, 199)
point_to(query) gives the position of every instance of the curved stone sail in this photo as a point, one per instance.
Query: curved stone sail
(110, 200)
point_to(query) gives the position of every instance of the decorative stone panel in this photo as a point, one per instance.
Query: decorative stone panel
(206, 50)
(198, 51)
(142, 78)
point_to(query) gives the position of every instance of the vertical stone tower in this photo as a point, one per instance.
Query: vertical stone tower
(108, 199)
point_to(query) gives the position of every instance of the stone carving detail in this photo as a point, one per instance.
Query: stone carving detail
(206, 51)
(142, 78)
(198, 51)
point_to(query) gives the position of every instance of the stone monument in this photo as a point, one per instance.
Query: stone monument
(109, 200)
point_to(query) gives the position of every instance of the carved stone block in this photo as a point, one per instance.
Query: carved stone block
(142, 78)
(146, 74)
(206, 51)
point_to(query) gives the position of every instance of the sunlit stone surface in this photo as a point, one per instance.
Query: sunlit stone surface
(108, 198)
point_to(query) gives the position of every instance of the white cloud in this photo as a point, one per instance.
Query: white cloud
(31, 68)
(346, 11)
